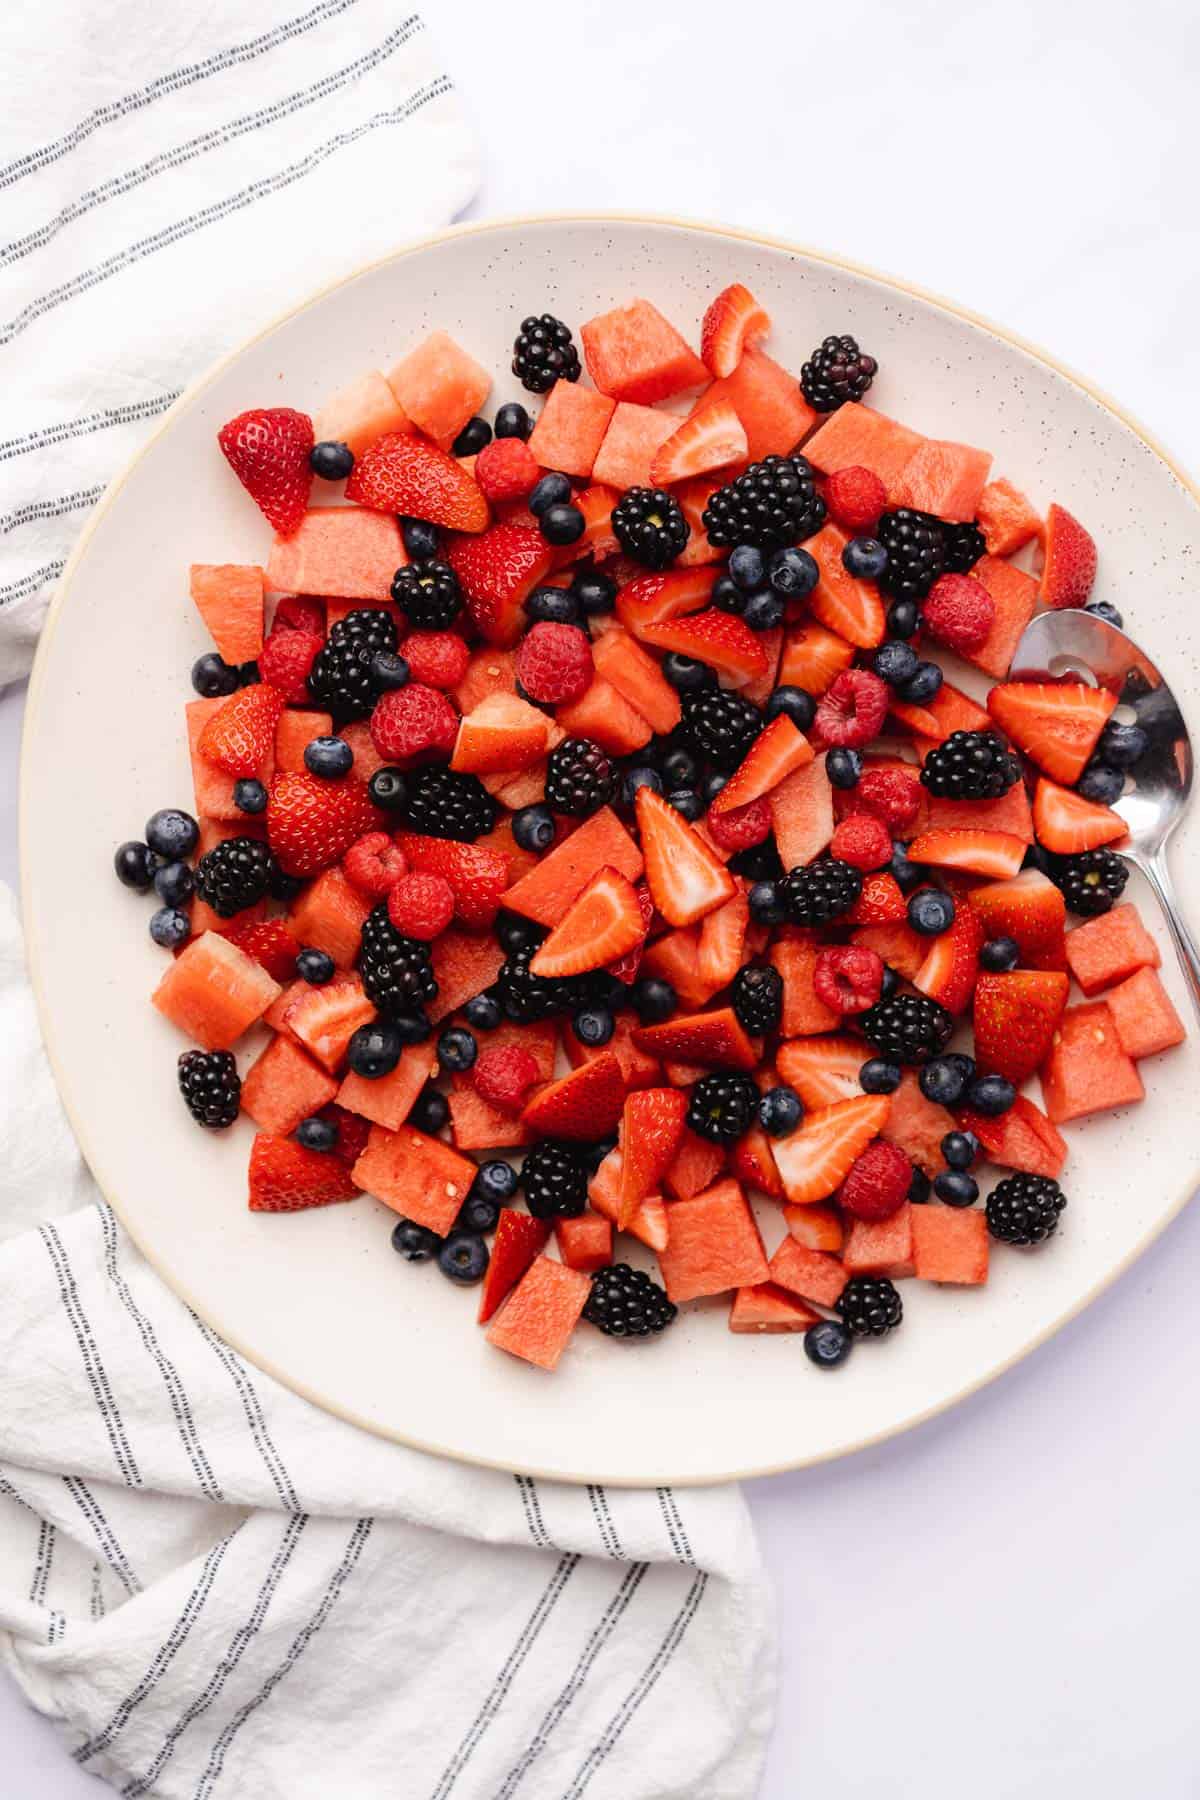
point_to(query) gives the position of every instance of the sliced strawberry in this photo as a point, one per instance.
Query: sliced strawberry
(240, 734)
(1069, 569)
(651, 1127)
(900, 946)
(723, 940)
(311, 823)
(604, 923)
(518, 1240)
(816, 1158)
(978, 852)
(850, 607)
(653, 599)
(1029, 909)
(880, 903)
(714, 1040)
(752, 1162)
(1066, 823)
(285, 1177)
(400, 473)
(813, 658)
(948, 972)
(719, 639)
(498, 570)
(708, 439)
(503, 732)
(1057, 724)
(478, 875)
(949, 710)
(822, 1069)
(1016, 1016)
(269, 942)
(626, 967)
(733, 322)
(815, 1227)
(324, 1019)
(267, 449)
(649, 1222)
(584, 1105)
(686, 880)
(1022, 1138)
(774, 754)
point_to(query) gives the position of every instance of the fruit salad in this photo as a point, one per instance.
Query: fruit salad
(614, 833)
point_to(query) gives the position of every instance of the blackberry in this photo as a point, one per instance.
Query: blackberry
(723, 1107)
(817, 892)
(624, 1302)
(757, 998)
(544, 352)
(554, 1180)
(396, 971)
(340, 677)
(870, 1306)
(965, 544)
(428, 594)
(908, 1028)
(649, 526)
(836, 371)
(775, 503)
(916, 547)
(1091, 882)
(580, 778)
(1024, 1209)
(720, 724)
(970, 765)
(526, 997)
(211, 1087)
(443, 803)
(234, 875)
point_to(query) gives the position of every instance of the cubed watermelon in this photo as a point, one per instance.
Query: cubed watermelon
(214, 992)
(633, 353)
(813, 1274)
(634, 434)
(856, 436)
(802, 813)
(229, 598)
(1107, 949)
(346, 551)
(329, 916)
(585, 1243)
(768, 401)
(767, 1308)
(293, 734)
(570, 428)
(212, 787)
(1088, 1070)
(388, 1100)
(918, 1125)
(463, 965)
(600, 842)
(539, 1315)
(950, 1245)
(604, 715)
(794, 955)
(1006, 518)
(359, 413)
(1015, 595)
(283, 1086)
(1146, 1020)
(324, 1019)
(637, 677)
(881, 1246)
(944, 478)
(440, 387)
(714, 1245)
(417, 1176)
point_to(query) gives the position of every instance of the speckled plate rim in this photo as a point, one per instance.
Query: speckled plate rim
(517, 222)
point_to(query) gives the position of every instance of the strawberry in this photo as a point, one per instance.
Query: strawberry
(720, 639)
(285, 1177)
(1066, 823)
(502, 736)
(893, 795)
(710, 438)
(352, 1132)
(506, 469)
(1069, 568)
(1057, 724)
(604, 923)
(1015, 1017)
(722, 941)
(948, 972)
(504, 1076)
(1029, 909)
(651, 1126)
(497, 572)
(284, 662)
(412, 723)
(518, 1240)
(584, 1105)
(686, 880)
(1022, 1138)
(880, 903)
(740, 829)
(959, 612)
(312, 823)
(878, 1182)
(816, 1158)
(554, 663)
(267, 448)
(752, 1163)
(949, 710)
(714, 1040)
(399, 473)
(373, 865)
(855, 497)
(863, 841)
(847, 978)
(421, 905)
(852, 709)
(815, 1227)
(655, 599)
(299, 612)
(240, 736)
(733, 322)
(977, 852)
(626, 967)
(269, 942)
(773, 756)
(437, 659)
(822, 1069)
(478, 876)
(324, 1019)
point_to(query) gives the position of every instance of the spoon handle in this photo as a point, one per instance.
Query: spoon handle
(1155, 869)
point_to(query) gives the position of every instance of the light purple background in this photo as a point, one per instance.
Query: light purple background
(1003, 1602)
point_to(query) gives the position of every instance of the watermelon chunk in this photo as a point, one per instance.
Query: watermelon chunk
(767, 1308)
(950, 1245)
(324, 1019)
(794, 954)
(293, 734)
(1006, 518)
(944, 478)
(570, 428)
(918, 1125)
(463, 965)
(1088, 1069)
(714, 1245)
(813, 1274)
(417, 1176)
(439, 387)
(638, 679)
(212, 787)
(856, 436)
(633, 353)
(539, 1315)
(600, 842)
(603, 714)
(881, 1246)
(346, 551)
(359, 413)
(283, 1086)
(329, 916)
(1145, 1019)
(389, 1100)
(214, 992)
(585, 1243)
(1106, 950)
(634, 434)
(519, 1238)
(768, 401)
(851, 608)
(1022, 1138)
(802, 814)
(229, 598)
(1015, 596)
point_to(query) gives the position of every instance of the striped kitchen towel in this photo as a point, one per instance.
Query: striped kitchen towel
(171, 177)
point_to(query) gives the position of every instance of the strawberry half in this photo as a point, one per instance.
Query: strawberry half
(685, 878)
(1066, 823)
(651, 1127)
(519, 1238)
(1069, 569)
(773, 756)
(267, 448)
(285, 1177)
(604, 923)
(270, 942)
(816, 1158)
(1016, 1016)
(312, 823)
(948, 972)
(822, 1070)
(719, 639)
(880, 903)
(498, 570)
(478, 875)
(722, 943)
(240, 735)
(977, 852)
(733, 322)
(584, 1105)
(1029, 909)
(399, 473)
(626, 967)
(654, 599)
(752, 1162)
(1057, 724)
(710, 438)
(714, 1040)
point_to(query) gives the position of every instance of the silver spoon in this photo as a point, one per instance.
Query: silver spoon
(1159, 783)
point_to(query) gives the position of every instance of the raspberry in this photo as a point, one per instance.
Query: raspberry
(848, 977)
(299, 612)
(958, 612)
(437, 658)
(742, 827)
(374, 865)
(554, 663)
(411, 722)
(863, 841)
(421, 905)
(852, 709)
(504, 1077)
(855, 497)
(286, 658)
(878, 1182)
(892, 795)
(506, 469)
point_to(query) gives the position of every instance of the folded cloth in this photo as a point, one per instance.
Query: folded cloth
(171, 177)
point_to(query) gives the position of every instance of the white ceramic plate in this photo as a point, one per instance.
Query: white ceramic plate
(319, 1300)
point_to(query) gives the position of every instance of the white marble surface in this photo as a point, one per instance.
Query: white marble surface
(1002, 1602)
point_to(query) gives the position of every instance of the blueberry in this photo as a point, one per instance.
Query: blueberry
(174, 883)
(795, 702)
(249, 674)
(595, 592)
(594, 1025)
(1121, 746)
(172, 833)
(415, 1243)
(496, 1180)
(907, 875)
(764, 611)
(429, 1111)
(1104, 609)
(512, 420)
(956, 1187)
(687, 675)
(420, 537)
(533, 828)
(513, 932)
(711, 786)
(552, 490)
(375, 1049)
(250, 796)
(552, 606)
(844, 767)
(388, 789)
(746, 567)
(793, 573)
(889, 982)
(483, 1013)
(135, 865)
(331, 461)
(991, 1095)
(864, 558)
(687, 803)
(640, 776)
(653, 1000)
(903, 618)
(931, 911)
(328, 757)
(767, 904)
(999, 955)
(918, 1186)
(895, 662)
(388, 671)
(827, 1344)
(960, 1148)
(562, 524)
(726, 595)
(964, 1064)
(316, 1134)
(1157, 715)
(941, 1081)
(922, 684)
(679, 768)
(780, 1110)
(456, 1049)
(316, 967)
(1100, 784)
(213, 677)
(169, 927)
(477, 1214)
(463, 1257)
(414, 1028)
(878, 1076)
(759, 863)
(475, 435)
